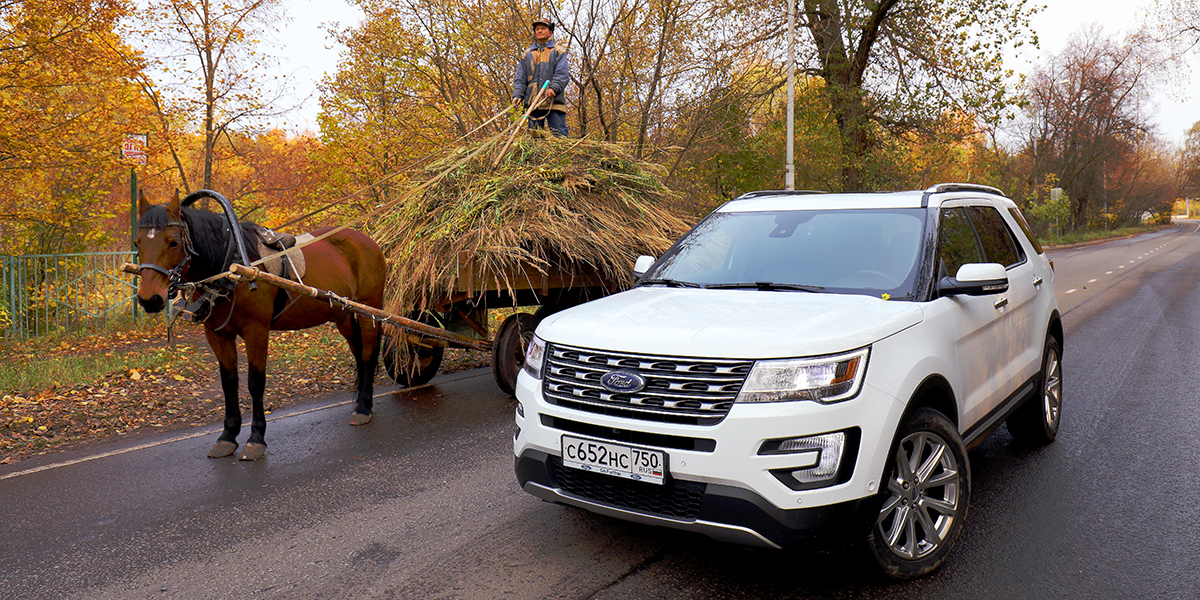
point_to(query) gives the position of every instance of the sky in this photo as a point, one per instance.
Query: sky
(308, 53)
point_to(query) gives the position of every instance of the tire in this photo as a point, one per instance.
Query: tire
(923, 505)
(508, 353)
(410, 366)
(1036, 422)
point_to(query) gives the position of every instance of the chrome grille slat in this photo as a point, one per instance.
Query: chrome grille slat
(684, 378)
(677, 388)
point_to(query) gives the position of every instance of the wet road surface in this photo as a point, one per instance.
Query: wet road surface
(422, 502)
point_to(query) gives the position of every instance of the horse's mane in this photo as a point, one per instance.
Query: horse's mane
(215, 250)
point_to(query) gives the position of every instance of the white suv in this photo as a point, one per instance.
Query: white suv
(802, 364)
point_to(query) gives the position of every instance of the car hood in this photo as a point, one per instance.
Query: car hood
(729, 323)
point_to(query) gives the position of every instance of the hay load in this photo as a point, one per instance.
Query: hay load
(551, 206)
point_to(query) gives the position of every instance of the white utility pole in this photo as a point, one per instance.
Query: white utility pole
(789, 177)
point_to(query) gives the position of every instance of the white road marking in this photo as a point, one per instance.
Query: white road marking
(209, 431)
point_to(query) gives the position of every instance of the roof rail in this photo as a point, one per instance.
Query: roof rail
(965, 187)
(780, 193)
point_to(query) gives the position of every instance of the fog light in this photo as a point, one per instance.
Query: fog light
(824, 456)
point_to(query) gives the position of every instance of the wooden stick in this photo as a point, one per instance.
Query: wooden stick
(382, 316)
(533, 104)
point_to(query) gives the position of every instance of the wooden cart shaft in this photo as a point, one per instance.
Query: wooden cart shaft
(252, 274)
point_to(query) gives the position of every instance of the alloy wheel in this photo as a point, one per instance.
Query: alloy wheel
(924, 497)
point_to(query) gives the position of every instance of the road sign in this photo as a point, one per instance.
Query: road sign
(133, 149)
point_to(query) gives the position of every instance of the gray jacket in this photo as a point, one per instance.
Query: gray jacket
(542, 63)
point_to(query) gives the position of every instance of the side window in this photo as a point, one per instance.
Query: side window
(1020, 219)
(958, 246)
(999, 246)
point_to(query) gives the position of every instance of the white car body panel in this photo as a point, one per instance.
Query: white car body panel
(729, 323)
(981, 352)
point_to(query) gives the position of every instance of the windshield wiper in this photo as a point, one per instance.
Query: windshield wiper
(670, 283)
(765, 286)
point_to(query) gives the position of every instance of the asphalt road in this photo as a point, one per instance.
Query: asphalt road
(422, 502)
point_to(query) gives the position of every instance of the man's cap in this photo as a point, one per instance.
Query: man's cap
(546, 22)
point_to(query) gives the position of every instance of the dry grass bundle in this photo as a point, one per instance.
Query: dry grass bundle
(550, 206)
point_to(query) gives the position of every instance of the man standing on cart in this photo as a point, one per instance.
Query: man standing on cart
(543, 62)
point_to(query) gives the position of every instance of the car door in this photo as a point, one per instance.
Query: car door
(978, 325)
(1019, 325)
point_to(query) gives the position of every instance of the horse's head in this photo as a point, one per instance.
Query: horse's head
(164, 251)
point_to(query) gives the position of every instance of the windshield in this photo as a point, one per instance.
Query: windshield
(868, 251)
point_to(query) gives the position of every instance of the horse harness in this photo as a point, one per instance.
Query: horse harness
(199, 309)
(174, 275)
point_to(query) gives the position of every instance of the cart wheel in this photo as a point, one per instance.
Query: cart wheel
(508, 353)
(410, 366)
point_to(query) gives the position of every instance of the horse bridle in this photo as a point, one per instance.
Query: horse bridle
(175, 275)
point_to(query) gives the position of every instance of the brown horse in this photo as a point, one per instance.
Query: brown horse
(180, 247)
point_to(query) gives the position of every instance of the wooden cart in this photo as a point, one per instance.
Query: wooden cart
(465, 314)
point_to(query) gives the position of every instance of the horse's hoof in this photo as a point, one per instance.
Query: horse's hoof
(253, 452)
(222, 449)
(358, 418)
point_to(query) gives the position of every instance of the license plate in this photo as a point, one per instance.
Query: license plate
(619, 460)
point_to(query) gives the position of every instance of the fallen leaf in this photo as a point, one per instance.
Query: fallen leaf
(134, 375)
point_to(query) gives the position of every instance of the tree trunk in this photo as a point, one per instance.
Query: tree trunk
(670, 13)
(843, 69)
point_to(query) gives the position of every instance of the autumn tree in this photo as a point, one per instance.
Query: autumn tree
(733, 140)
(67, 95)
(1177, 23)
(216, 63)
(1088, 116)
(416, 76)
(900, 65)
(1189, 163)
(1141, 182)
(688, 83)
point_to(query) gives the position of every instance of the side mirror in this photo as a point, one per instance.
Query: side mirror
(642, 265)
(976, 279)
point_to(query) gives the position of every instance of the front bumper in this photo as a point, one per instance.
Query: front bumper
(722, 512)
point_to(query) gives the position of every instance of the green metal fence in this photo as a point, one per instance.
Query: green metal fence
(45, 293)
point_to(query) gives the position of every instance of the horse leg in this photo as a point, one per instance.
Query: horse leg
(257, 339)
(363, 341)
(225, 348)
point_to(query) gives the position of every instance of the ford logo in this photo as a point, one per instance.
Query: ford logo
(623, 381)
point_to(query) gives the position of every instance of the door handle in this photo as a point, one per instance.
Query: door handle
(1001, 303)
(1037, 281)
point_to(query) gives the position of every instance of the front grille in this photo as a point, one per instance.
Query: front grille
(675, 499)
(697, 391)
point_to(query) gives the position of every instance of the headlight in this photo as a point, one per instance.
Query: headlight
(535, 355)
(825, 379)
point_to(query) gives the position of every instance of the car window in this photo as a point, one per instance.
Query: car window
(958, 245)
(868, 251)
(999, 246)
(1025, 228)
